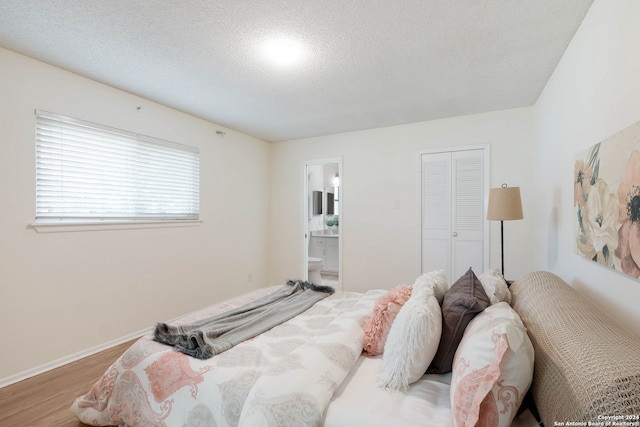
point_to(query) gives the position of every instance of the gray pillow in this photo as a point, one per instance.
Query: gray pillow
(464, 299)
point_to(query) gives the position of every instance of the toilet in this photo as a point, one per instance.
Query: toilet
(315, 265)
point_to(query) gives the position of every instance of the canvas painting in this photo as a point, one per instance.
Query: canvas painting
(607, 202)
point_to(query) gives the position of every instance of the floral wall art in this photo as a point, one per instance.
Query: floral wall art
(607, 202)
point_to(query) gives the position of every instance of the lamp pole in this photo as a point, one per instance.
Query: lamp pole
(502, 245)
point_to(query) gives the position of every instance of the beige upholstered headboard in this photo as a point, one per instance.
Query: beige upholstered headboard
(587, 367)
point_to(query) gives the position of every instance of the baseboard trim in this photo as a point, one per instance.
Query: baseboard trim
(20, 376)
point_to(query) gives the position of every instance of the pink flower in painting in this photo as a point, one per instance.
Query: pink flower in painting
(628, 249)
(582, 174)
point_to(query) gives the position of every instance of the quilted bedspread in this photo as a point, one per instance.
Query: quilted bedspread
(285, 376)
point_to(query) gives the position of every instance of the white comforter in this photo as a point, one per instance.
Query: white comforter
(285, 376)
(359, 401)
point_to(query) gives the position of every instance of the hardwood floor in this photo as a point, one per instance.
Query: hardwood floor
(44, 400)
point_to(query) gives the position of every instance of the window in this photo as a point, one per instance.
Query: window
(88, 173)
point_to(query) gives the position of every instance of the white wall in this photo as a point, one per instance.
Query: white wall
(64, 293)
(380, 244)
(593, 93)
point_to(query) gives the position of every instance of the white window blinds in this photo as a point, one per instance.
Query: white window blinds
(89, 172)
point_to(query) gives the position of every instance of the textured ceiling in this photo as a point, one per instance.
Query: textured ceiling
(370, 63)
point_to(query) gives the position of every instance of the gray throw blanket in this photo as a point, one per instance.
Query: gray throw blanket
(208, 337)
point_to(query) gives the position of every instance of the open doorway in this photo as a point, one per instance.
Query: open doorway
(322, 242)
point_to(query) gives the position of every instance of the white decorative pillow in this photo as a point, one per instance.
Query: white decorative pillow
(495, 286)
(492, 369)
(413, 339)
(436, 280)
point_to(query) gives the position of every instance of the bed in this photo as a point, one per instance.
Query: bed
(309, 370)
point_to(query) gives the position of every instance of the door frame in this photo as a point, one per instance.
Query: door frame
(306, 207)
(486, 177)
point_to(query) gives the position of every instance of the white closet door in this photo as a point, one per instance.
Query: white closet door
(436, 212)
(467, 213)
(453, 212)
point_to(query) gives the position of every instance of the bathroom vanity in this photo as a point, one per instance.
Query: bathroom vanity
(325, 246)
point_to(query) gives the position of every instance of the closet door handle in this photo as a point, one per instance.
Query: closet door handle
(455, 234)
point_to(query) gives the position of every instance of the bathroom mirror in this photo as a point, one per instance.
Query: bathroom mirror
(317, 202)
(329, 203)
(332, 199)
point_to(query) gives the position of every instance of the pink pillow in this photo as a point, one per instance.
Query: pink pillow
(377, 327)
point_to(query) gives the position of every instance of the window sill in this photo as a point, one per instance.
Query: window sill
(61, 227)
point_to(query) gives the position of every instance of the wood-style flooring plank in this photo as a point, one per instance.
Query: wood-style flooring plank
(44, 400)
